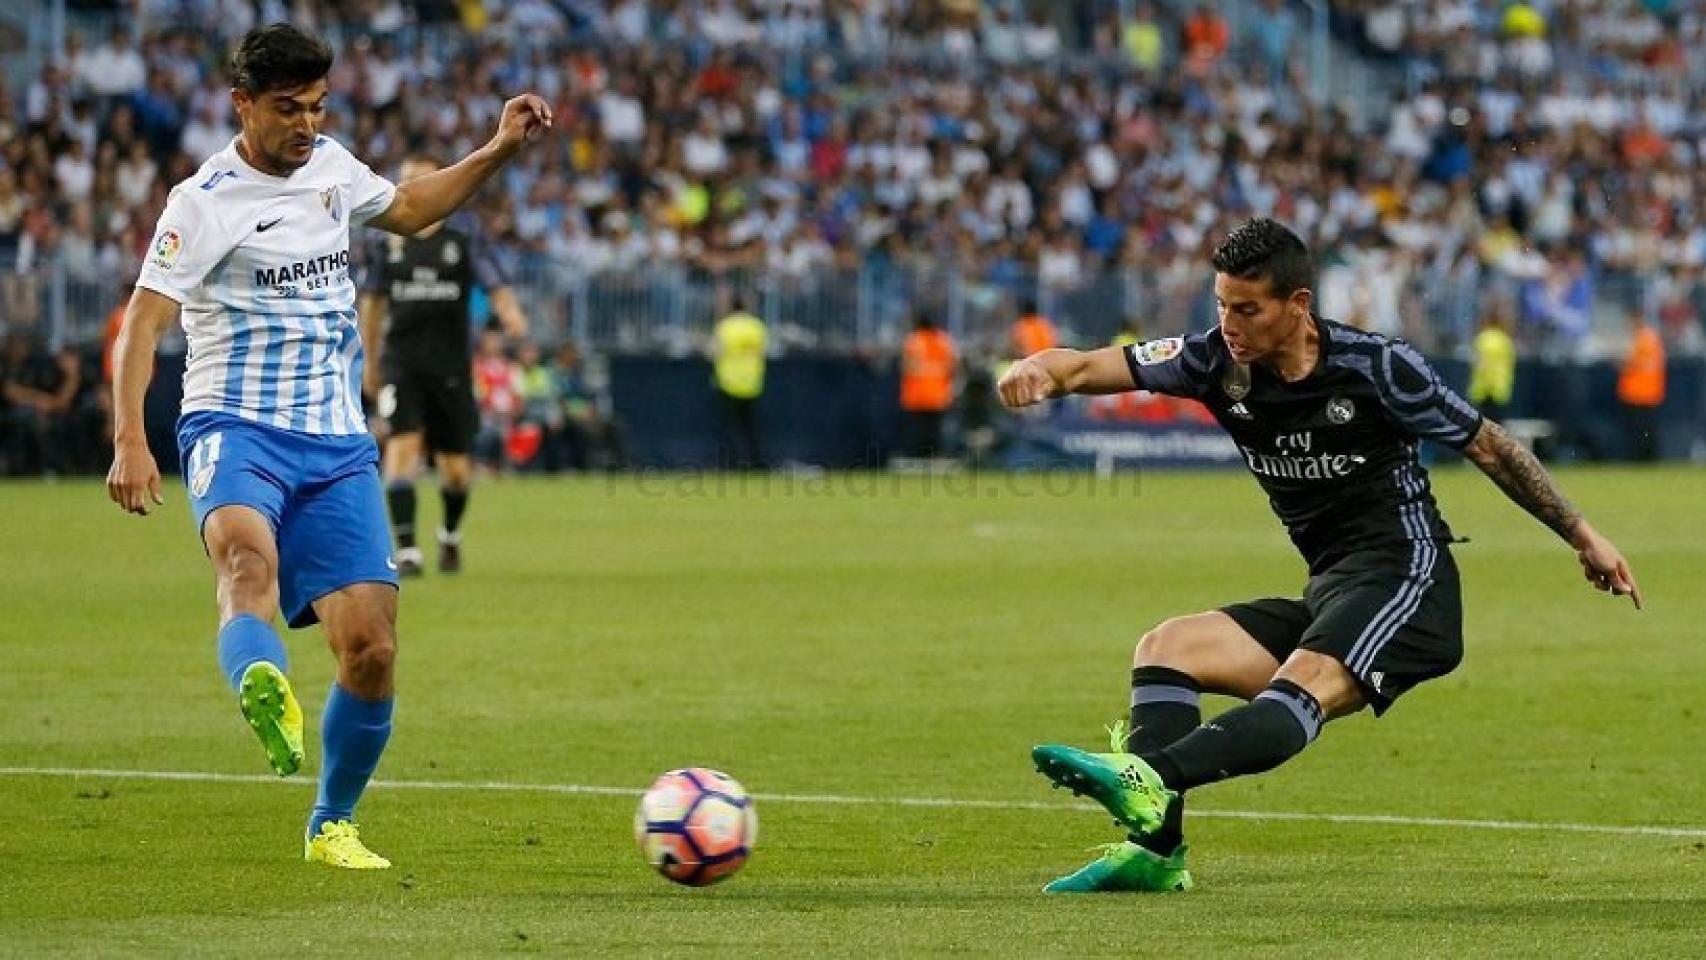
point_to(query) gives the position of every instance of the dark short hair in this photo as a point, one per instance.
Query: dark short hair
(278, 56)
(1267, 249)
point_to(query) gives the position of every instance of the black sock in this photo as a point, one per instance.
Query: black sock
(402, 499)
(1258, 736)
(1164, 708)
(455, 502)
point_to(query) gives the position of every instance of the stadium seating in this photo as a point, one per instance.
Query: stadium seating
(850, 162)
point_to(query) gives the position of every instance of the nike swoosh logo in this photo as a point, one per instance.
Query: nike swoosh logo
(264, 227)
(391, 563)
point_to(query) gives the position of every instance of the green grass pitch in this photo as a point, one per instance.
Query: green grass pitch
(858, 637)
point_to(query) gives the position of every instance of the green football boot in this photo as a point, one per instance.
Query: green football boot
(1130, 789)
(270, 706)
(1127, 867)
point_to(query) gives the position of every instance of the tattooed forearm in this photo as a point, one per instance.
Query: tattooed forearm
(1522, 478)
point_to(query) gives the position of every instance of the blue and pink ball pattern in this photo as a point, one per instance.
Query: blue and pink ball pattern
(696, 826)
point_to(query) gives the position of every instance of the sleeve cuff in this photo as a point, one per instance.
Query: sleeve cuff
(381, 204)
(1469, 437)
(160, 286)
(1131, 363)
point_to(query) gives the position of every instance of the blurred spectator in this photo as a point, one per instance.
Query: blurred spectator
(13, 204)
(37, 393)
(159, 112)
(1032, 332)
(739, 343)
(1492, 374)
(1206, 37)
(497, 389)
(116, 68)
(540, 421)
(136, 175)
(208, 130)
(1641, 387)
(591, 438)
(73, 172)
(1040, 38)
(1561, 302)
(45, 95)
(927, 363)
(1271, 33)
(1142, 41)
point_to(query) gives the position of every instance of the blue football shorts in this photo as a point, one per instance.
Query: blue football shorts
(321, 494)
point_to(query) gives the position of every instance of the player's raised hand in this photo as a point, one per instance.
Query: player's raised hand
(134, 480)
(1604, 567)
(525, 119)
(1026, 382)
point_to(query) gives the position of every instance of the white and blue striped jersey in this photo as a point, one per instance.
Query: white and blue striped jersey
(261, 268)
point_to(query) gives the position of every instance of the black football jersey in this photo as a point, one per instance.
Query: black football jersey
(1336, 451)
(428, 282)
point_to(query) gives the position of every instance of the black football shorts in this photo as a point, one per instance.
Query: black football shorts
(1394, 619)
(441, 404)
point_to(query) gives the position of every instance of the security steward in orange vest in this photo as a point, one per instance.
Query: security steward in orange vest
(1641, 387)
(928, 361)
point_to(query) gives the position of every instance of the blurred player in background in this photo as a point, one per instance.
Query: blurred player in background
(252, 252)
(1328, 419)
(415, 318)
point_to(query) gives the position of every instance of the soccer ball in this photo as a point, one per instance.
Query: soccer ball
(696, 826)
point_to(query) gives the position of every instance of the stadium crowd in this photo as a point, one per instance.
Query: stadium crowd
(1036, 151)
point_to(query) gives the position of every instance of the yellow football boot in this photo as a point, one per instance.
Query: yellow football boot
(337, 844)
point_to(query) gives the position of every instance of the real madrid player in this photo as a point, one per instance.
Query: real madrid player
(414, 308)
(1327, 418)
(253, 253)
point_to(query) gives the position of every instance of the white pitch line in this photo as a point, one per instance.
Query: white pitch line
(194, 776)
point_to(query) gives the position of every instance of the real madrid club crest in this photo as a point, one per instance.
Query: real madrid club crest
(1340, 410)
(451, 253)
(1236, 381)
(332, 200)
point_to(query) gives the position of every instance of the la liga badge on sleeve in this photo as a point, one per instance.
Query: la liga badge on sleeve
(1159, 351)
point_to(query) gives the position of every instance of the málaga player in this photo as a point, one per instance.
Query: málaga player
(252, 252)
(1327, 418)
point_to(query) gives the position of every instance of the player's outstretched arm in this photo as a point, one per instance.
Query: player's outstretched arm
(424, 201)
(1056, 373)
(133, 482)
(1525, 481)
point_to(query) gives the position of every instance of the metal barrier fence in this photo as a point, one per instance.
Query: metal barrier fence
(670, 308)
